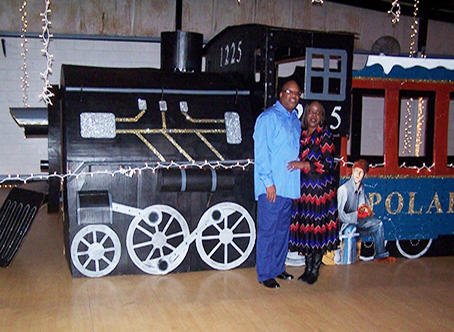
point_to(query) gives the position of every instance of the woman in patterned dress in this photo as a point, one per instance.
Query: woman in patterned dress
(314, 216)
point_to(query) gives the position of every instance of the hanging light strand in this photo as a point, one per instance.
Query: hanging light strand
(418, 169)
(403, 165)
(24, 78)
(406, 149)
(131, 171)
(46, 36)
(419, 126)
(10, 180)
(395, 12)
(350, 163)
(414, 30)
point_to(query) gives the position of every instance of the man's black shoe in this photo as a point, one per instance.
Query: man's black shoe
(271, 283)
(285, 276)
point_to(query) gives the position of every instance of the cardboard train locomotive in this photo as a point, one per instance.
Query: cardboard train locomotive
(159, 162)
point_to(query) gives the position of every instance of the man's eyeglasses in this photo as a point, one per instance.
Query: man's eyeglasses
(291, 92)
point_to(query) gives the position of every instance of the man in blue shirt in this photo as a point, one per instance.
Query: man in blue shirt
(354, 209)
(276, 142)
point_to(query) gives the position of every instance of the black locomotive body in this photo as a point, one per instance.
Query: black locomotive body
(157, 165)
(155, 158)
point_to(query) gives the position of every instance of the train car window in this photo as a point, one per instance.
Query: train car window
(416, 123)
(451, 130)
(335, 62)
(326, 74)
(288, 68)
(291, 69)
(367, 121)
(317, 62)
(316, 85)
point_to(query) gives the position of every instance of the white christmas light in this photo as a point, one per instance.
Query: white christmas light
(419, 126)
(395, 11)
(24, 78)
(406, 149)
(419, 169)
(130, 172)
(46, 36)
(414, 30)
(349, 163)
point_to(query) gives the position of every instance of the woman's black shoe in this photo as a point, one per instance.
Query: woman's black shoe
(313, 275)
(308, 270)
(304, 276)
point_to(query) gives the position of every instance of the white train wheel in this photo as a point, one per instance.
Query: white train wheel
(413, 248)
(227, 236)
(95, 250)
(157, 239)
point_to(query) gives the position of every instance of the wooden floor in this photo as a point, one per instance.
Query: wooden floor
(37, 293)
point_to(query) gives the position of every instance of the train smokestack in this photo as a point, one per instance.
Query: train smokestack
(181, 51)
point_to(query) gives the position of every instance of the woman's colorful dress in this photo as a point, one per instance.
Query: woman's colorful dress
(314, 226)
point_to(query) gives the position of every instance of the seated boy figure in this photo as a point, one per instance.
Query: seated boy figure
(354, 208)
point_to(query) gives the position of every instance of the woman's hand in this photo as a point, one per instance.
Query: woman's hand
(293, 165)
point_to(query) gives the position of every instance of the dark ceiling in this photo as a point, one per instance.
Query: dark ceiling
(439, 10)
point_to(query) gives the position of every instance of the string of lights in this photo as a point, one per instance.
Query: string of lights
(419, 126)
(131, 171)
(418, 169)
(46, 36)
(406, 149)
(24, 78)
(10, 180)
(395, 11)
(314, 2)
(403, 165)
(414, 30)
(350, 163)
(408, 131)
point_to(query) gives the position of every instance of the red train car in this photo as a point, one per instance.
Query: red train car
(402, 122)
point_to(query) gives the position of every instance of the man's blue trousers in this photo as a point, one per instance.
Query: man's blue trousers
(273, 226)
